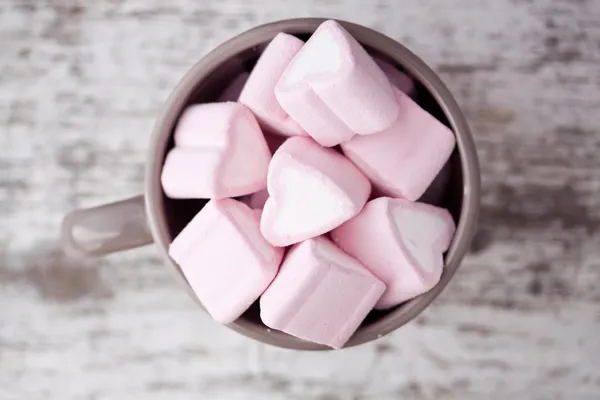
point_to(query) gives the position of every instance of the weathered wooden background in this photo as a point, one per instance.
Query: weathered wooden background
(80, 85)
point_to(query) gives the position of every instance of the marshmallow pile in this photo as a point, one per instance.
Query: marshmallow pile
(321, 233)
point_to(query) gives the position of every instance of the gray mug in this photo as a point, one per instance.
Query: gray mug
(154, 218)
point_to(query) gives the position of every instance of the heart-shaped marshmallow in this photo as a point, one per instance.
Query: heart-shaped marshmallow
(320, 294)
(401, 242)
(233, 90)
(219, 152)
(258, 93)
(396, 77)
(403, 160)
(312, 190)
(225, 259)
(335, 90)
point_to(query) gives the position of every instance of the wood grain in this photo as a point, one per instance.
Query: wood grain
(80, 86)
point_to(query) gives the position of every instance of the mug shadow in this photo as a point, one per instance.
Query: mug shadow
(52, 275)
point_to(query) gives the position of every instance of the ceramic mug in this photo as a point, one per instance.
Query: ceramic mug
(154, 218)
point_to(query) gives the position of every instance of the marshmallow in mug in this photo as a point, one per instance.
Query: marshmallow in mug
(320, 294)
(219, 152)
(312, 189)
(401, 242)
(258, 93)
(334, 89)
(403, 160)
(225, 259)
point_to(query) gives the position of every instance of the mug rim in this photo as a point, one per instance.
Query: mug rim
(469, 212)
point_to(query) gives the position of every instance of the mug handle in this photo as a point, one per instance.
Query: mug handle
(98, 231)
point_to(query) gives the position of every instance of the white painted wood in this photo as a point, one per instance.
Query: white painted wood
(80, 85)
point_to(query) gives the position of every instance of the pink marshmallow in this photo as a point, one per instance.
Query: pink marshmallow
(233, 90)
(401, 242)
(219, 152)
(320, 294)
(183, 175)
(312, 190)
(258, 93)
(396, 77)
(225, 259)
(335, 90)
(403, 160)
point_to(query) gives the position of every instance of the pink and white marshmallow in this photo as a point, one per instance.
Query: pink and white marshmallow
(401, 242)
(258, 93)
(403, 160)
(225, 259)
(312, 189)
(219, 152)
(320, 294)
(335, 90)
(233, 90)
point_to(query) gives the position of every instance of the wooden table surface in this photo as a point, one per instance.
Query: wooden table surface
(80, 86)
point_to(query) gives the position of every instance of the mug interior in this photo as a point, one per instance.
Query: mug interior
(177, 213)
